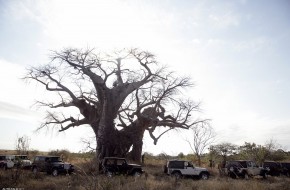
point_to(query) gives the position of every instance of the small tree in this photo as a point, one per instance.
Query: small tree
(203, 136)
(224, 150)
(22, 144)
(258, 153)
(180, 155)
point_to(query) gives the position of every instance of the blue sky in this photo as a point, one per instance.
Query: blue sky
(237, 52)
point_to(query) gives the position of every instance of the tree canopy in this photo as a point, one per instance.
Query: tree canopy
(120, 95)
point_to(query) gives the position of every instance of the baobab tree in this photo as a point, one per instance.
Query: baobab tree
(120, 96)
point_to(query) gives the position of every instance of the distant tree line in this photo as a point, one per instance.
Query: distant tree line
(248, 151)
(222, 152)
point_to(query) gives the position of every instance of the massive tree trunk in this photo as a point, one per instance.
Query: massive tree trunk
(111, 142)
(137, 150)
(136, 143)
(131, 138)
(106, 134)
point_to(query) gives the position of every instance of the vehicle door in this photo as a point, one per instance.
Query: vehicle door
(10, 161)
(253, 169)
(188, 169)
(110, 165)
(122, 166)
(43, 163)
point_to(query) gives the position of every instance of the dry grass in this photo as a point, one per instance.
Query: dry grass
(150, 181)
(85, 178)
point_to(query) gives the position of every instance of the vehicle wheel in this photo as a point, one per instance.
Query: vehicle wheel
(204, 176)
(177, 175)
(54, 172)
(5, 167)
(246, 176)
(109, 174)
(232, 175)
(265, 175)
(165, 169)
(137, 174)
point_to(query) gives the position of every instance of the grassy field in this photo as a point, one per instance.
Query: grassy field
(154, 179)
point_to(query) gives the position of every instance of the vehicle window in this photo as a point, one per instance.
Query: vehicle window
(10, 157)
(190, 164)
(121, 162)
(249, 164)
(21, 157)
(55, 159)
(243, 164)
(109, 162)
(177, 164)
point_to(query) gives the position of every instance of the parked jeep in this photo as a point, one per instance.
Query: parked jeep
(51, 165)
(22, 161)
(179, 168)
(244, 169)
(115, 166)
(274, 168)
(286, 168)
(6, 162)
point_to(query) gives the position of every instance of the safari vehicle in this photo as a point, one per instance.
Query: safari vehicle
(244, 169)
(6, 161)
(51, 165)
(180, 168)
(111, 166)
(22, 161)
(286, 168)
(274, 168)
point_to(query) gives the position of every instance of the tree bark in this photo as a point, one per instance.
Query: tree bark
(137, 151)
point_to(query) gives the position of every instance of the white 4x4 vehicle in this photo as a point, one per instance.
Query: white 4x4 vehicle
(179, 168)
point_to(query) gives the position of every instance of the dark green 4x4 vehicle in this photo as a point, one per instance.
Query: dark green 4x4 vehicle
(115, 166)
(51, 165)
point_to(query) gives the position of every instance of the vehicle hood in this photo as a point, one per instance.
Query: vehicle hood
(201, 169)
(26, 162)
(135, 165)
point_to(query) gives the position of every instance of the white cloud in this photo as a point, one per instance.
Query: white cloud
(11, 84)
(224, 21)
(253, 45)
(12, 111)
(16, 97)
(106, 24)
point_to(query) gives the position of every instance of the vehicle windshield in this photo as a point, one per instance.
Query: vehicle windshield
(22, 157)
(55, 159)
(190, 164)
(121, 161)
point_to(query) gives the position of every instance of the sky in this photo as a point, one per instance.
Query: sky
(237, 53)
